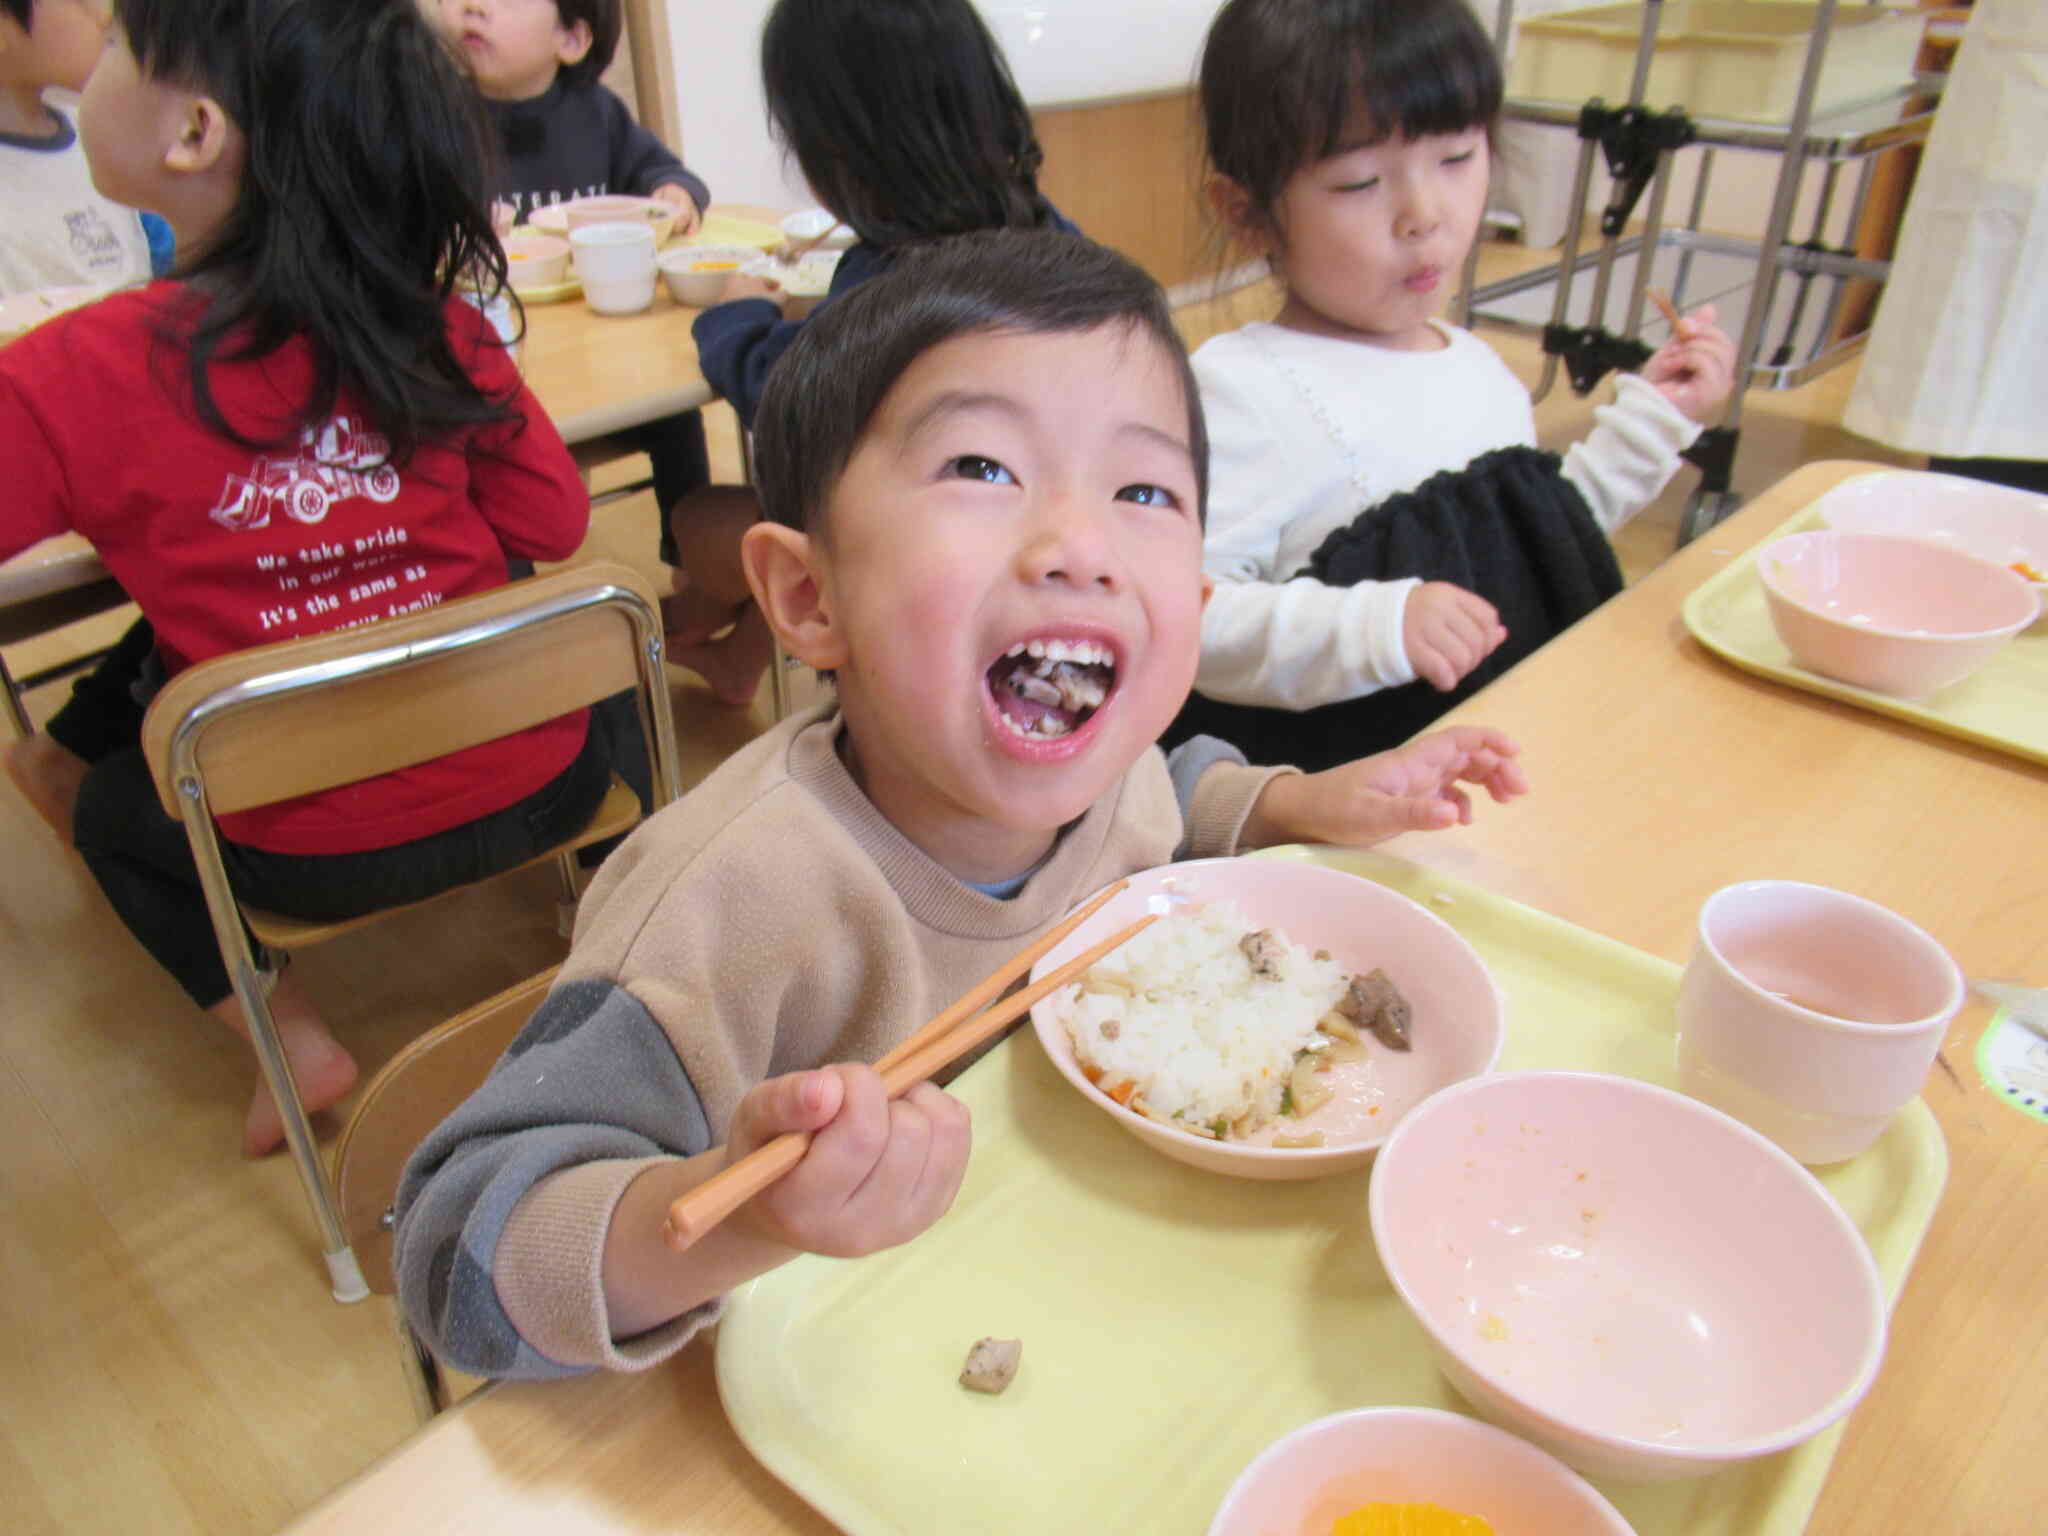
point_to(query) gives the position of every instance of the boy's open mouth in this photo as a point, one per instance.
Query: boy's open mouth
(1045, 689)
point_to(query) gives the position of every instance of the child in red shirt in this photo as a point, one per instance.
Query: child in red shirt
(305, 430)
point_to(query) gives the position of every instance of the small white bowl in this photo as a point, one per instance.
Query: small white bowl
(1306, 1479)
(697, 274)
(535, 260)
(1896, 615)
(1459, 1023)
(809, 223)
(1640, 1284)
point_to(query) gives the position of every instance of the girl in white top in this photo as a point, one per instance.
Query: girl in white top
(1349, 144)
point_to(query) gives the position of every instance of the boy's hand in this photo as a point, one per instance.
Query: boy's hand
(1413, 788)
(1695, 369)
(677, 196)
(1448, 631)
(876, 1173)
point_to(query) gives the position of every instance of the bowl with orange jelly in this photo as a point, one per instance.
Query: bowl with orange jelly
(1411, 1472)
(697, 274)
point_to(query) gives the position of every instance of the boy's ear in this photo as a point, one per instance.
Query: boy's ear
(202, 135)
(572, 42)
(781, 567)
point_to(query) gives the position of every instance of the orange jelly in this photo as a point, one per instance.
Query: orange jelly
(1408, 1520)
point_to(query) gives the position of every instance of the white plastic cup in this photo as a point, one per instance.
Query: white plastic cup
(1810, 1014)
(615, 264)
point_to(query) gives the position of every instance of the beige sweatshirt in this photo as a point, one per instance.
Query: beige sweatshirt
(770, 921)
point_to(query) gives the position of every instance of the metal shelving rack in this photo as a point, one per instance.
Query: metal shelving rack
(1848, 135)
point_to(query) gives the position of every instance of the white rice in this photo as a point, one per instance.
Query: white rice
(1206, 1041)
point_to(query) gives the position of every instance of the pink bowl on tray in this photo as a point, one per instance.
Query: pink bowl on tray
(1640, 1284)
(1896, 615)
(1306, 1479)
(1458, 1028)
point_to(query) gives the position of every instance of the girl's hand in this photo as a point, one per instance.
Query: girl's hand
(877, 1172)
(503, 217)
(1413, 788)
(688, 215)
(1695, 369)
(1448, 631)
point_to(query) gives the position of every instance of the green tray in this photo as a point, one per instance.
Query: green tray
(1176, 1323)
(2004, 704)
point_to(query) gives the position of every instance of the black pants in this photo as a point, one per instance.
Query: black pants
(676, 450)
(2022, 474)
(142, 861)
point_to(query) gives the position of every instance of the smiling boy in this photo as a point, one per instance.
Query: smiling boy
(984, 473)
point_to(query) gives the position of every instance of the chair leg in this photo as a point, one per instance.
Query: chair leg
(565, 904)
(17, 713)
(345, 1275)
(422, 1371)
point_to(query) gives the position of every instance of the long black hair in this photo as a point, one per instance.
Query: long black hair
(1284, 83)
(362, 203)
(826, 388)
(902, 116)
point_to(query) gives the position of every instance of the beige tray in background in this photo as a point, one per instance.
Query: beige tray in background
(2003, 705)
(1737, 59)
(1176, 1323)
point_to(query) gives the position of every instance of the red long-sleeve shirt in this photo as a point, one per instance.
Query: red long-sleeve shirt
(224, 547)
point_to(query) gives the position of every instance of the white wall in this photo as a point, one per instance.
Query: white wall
(1059, 50)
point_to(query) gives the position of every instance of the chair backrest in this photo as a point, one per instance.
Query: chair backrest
(265, 724)
(416, 1091)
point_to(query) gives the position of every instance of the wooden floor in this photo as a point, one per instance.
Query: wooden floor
(169, 1358)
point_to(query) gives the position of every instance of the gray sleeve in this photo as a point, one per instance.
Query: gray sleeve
(1186, 764)
(591, 1077)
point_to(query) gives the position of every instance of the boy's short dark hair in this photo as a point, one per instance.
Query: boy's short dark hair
(23, 12)
(606, 20)
(1283, 81)
(825, 389)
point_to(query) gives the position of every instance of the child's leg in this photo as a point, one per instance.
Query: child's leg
(681, 460)
(704, 530)
(102, 715)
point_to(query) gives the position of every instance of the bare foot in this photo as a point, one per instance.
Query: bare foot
(48, 776)
(690, 617)
(733, 663)
(321, 1066)
(324, 1077)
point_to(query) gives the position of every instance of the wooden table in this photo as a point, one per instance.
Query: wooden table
(1661, 773)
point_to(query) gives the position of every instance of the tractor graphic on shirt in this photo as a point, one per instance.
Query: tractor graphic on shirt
(336, 460)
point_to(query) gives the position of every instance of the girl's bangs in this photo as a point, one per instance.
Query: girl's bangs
(1411, 88)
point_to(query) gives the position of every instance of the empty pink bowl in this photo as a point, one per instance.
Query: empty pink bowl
(1458, 1028)
(1303, 1481)
(1635, 1281)
(1893, 614)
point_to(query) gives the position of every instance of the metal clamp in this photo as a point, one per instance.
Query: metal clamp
(1590, 352)
(1631, 138)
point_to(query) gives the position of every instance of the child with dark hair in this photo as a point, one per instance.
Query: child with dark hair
(983, 478)
(58, 232)
(903, 118)
(562, 134)
(308, 429)
(1385, 535)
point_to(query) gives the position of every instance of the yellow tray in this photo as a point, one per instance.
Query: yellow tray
(550, 293)
(2004, 704)
(1176, 1323)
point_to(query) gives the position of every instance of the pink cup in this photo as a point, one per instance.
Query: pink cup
(1810, 1014)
